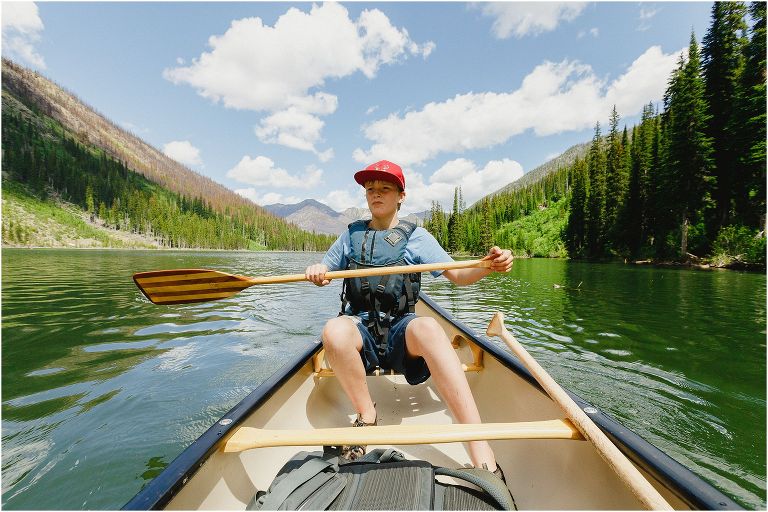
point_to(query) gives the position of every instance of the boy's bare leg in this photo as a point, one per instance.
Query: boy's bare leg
(424, 337)
(342, 342)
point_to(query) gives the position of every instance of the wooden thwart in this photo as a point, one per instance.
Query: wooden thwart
(246, 438)
(477, 364)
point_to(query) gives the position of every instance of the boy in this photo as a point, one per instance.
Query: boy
(378, 327)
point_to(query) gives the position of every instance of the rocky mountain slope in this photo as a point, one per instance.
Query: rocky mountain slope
(312, 215)
(95, 129)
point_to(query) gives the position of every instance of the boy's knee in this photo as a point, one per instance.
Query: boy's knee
(427, 334)
(425, 327)
(339, 333)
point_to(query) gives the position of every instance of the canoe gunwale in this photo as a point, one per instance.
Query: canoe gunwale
(689, 487)
(159, 492)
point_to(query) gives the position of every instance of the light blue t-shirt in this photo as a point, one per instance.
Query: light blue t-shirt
(422, 248)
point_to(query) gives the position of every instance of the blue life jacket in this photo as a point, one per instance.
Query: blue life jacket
(384, 298)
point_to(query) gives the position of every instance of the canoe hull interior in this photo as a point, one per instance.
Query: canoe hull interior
(542, 474)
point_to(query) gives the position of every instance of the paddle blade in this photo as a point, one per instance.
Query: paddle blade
(188, 286)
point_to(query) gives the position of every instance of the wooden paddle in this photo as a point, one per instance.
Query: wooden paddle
(199, 285)
(246, 438)
(626, 471)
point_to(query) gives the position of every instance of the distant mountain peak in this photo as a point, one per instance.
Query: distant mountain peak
(312, 215)
(285, 210)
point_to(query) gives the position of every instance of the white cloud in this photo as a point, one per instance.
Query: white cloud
(529, 18)
(261, 172)
(594, 32)
(338, 200)
(281, 69)
(21, 28)
(644, 81)
(553, 98)
(474, 182)
(268, 198)
(645, 17)
(183, 151)
(342, 199)
(291, 128)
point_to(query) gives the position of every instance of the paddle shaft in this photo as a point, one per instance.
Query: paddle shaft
(375, 271)
(246, 438)
(626, 471)
(185, 286)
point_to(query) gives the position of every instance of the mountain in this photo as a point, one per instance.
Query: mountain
(59, 154)
(565, 159)
(94, 129)
(312, 215)
(285, 210)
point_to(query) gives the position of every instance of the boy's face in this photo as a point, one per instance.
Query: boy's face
(383, 197)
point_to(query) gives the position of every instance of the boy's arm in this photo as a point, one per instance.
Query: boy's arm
(334, 259)
(502, 262)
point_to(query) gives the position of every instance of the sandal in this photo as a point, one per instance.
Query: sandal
(355, 451)
(499, 473)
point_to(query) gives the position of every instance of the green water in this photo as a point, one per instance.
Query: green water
(101, 389)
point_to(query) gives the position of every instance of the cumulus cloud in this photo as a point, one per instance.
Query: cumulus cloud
(280, 70)
(338, 200)
(520, 19)
(553, 98)
(184, 152)
(342, 199)
(475, 182)
(21, 28)
(262, 172)
(268, 198)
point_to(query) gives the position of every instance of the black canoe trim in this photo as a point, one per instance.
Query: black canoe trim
(157, 493)
(689, 487)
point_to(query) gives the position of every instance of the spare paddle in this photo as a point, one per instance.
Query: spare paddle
(199, 285)
(626, 471)
(246, 438)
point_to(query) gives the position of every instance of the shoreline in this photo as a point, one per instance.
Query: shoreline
(702, 265)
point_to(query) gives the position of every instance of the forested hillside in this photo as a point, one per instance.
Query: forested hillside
(688, 182)
(46, 160)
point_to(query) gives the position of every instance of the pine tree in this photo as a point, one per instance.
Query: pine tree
(487, 230)
(723, 61)
(575, 231)
(749, 182)
(688, 148)
(455, 225)
(596, 198)
(616, 176)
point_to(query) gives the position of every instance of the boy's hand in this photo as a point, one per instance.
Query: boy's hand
(316, 274)
(502, 259)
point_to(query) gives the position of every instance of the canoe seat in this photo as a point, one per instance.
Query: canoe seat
(321, 369)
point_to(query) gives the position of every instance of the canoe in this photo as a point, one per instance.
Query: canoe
(552, 472)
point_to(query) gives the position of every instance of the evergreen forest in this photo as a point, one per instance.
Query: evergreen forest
(685, 184)
(42, 159)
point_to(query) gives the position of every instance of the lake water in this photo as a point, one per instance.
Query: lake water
(102, 389)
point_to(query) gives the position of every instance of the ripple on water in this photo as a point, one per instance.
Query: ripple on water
(140, 365)
(44, 371)
(617, 352)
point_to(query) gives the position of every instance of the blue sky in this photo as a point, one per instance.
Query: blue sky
(284, 101)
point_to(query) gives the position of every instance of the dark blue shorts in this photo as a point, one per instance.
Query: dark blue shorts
(395, 358)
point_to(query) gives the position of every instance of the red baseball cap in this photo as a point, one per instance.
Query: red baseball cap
(385, 171)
